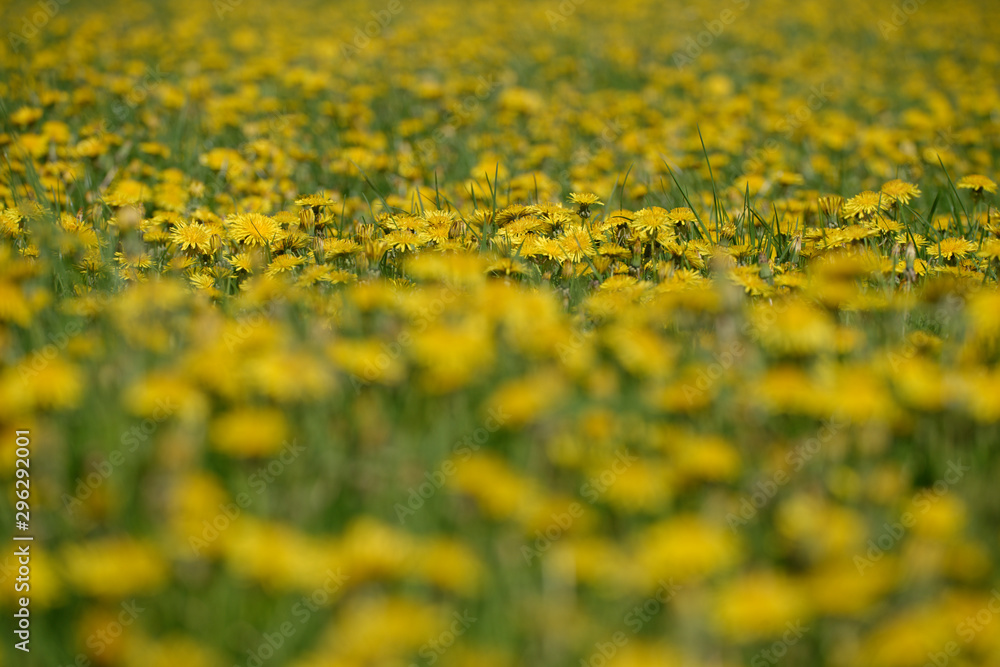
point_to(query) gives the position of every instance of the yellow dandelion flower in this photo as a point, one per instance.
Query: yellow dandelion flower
(162, 395)
(134, 261)
(637, 486)
(685, 547)
(167, 651)
(313, 274)
(127, 193)
(14, 304)
(682, 215)
(25, 116)
(192, 236)
(249, 431)
(585, 201)
(576, 244)
(370, 549)
(836, 587)
(865, 204)
(384, 630)
(706, 458)
(276, 555)
(58, 384)
(640, 351)
(919, 267)
(918, 240)
(951, 247)
(900, 191)
(114, 567)
(938, 516)
(793, 327)
(195, 498)
(990, 249)
(286, 376)
(912, 633)
(499, 490)
(203, 281)
(254, 229)
(334, 247)
(453, 356)
(788, 178)
(593, 560)
(246, 262)
(506, 266)
(10, 223)
(314, 201)
(977, 183)
(449, 564)
(284, 264)
(528, 398)
(653, 220)
(760, 605)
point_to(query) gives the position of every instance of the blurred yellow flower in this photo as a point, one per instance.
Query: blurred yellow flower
(167, 651)
(114, 567)
(452, 356)
(449, 564)
(793, 327)
(162, 395)
(706, 458)
(761, 605)
(500, 491)
(685, 548)
(528, 398)
(249, 431)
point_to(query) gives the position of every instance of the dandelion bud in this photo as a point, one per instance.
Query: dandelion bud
(911, 259)
(307, 218)
(765, 268)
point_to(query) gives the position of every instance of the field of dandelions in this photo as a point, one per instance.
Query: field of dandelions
(521, 333)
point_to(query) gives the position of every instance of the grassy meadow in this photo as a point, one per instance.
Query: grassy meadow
(558, 333)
